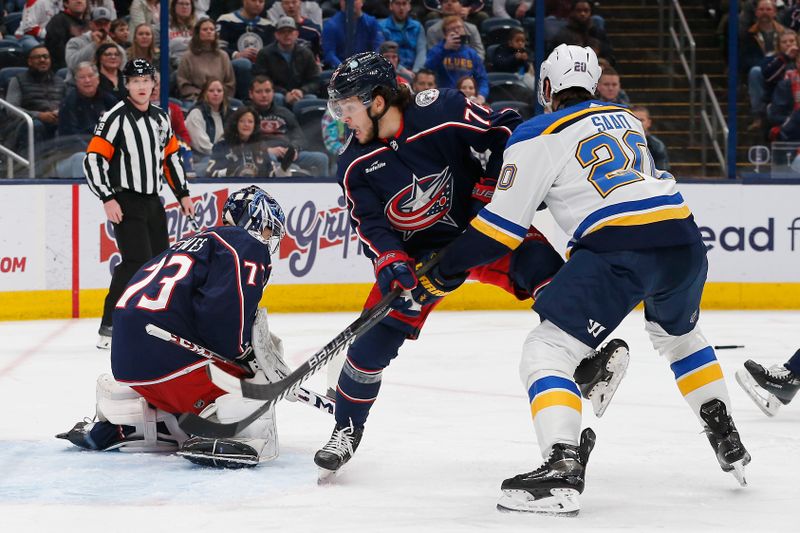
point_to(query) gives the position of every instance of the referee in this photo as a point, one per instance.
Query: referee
(133, 145)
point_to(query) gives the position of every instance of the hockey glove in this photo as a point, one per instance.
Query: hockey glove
(433, 286)
(395, 270)
(482, 193)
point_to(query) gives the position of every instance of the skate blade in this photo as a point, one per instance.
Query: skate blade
(563, 502)
(326, 477)
(738, 472)
(602, 393)
(103, 343)
(765, 400)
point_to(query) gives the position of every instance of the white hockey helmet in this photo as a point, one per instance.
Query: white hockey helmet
(568, 66)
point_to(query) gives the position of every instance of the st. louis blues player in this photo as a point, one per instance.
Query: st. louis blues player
(412, 185)
(205, 289)
(633, 239)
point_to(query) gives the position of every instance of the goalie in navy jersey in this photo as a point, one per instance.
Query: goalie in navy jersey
(412, 184)
(205, 289)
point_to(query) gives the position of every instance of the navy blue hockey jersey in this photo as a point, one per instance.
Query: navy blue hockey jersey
(205, 289)
(414, 192)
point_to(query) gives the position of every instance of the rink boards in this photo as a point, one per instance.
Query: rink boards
(57, 251)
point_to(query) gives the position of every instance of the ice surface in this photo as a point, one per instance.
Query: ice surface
(452, 421)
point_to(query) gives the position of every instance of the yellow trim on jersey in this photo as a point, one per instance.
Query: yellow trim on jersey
(511, 241)
(694, 381)
(556, 398)
(674, 213)
(549, 129)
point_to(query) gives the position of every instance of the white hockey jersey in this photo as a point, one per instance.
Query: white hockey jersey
(590, 164)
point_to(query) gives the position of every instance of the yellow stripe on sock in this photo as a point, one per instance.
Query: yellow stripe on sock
(694, 381)
(554, 398)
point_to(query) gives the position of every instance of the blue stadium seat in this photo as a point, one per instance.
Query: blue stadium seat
(304, 103)
(523, 108)
(510, 90)
(495, 30)
(324, 79)
(310, 120)
(6, 74)
(235, 103)
(62, 73)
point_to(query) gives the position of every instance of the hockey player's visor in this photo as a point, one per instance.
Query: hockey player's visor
(347, 107)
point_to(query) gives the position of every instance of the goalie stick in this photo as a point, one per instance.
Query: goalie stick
(233, 370)
(273, 392)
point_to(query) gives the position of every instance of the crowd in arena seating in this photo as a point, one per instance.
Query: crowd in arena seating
(233, 62)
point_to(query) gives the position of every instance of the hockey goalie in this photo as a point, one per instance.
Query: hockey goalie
(206, 289)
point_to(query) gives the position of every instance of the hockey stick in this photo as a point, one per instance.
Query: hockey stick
(273, 392)
(231, 369)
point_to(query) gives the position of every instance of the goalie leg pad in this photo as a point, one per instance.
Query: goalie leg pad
(549, 359)
(154, 430)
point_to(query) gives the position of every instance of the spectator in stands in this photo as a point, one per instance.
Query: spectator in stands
(512, 56)
(309, 10)
(762, 38)
(204, 61)
(65, 25)
(281, 131)
(292, 68)
(206, 122)
(469, 87)
(143, 46)
(762, 79)
(83, 47)
(389, 50)
(470, 10)
(609, 88)
(80, 111)
(657, 147)
(178, 127)
(511, 9)
(246, 32)
(38, 92)
(310, 32)
(119, 31)
(451, 59)
(581, 30)
(239, 153)
(791, 15)
(146, 12)
(32, 28)
(182, 19)
(368, 35)
(454, 8)
(786, 96)
(424, 79)
(407, 33)
(108, 59)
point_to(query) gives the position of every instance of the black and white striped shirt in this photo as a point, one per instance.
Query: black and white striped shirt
(130, 150)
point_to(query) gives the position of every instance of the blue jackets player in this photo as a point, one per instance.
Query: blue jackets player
(633, 239)
(412, 185)
(205, 289)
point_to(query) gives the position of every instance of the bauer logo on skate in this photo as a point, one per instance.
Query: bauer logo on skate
(422, 204)
(310, 229)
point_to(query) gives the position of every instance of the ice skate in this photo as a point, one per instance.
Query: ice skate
(724, 438)
(104, 339)
(553, 488)
(219, 453)
(599, 375)
(769, 387)
(337, 452)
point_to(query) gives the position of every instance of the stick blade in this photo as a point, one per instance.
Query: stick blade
(195, 425)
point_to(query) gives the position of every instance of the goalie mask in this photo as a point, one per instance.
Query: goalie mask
(568, 66)
(254, 210)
